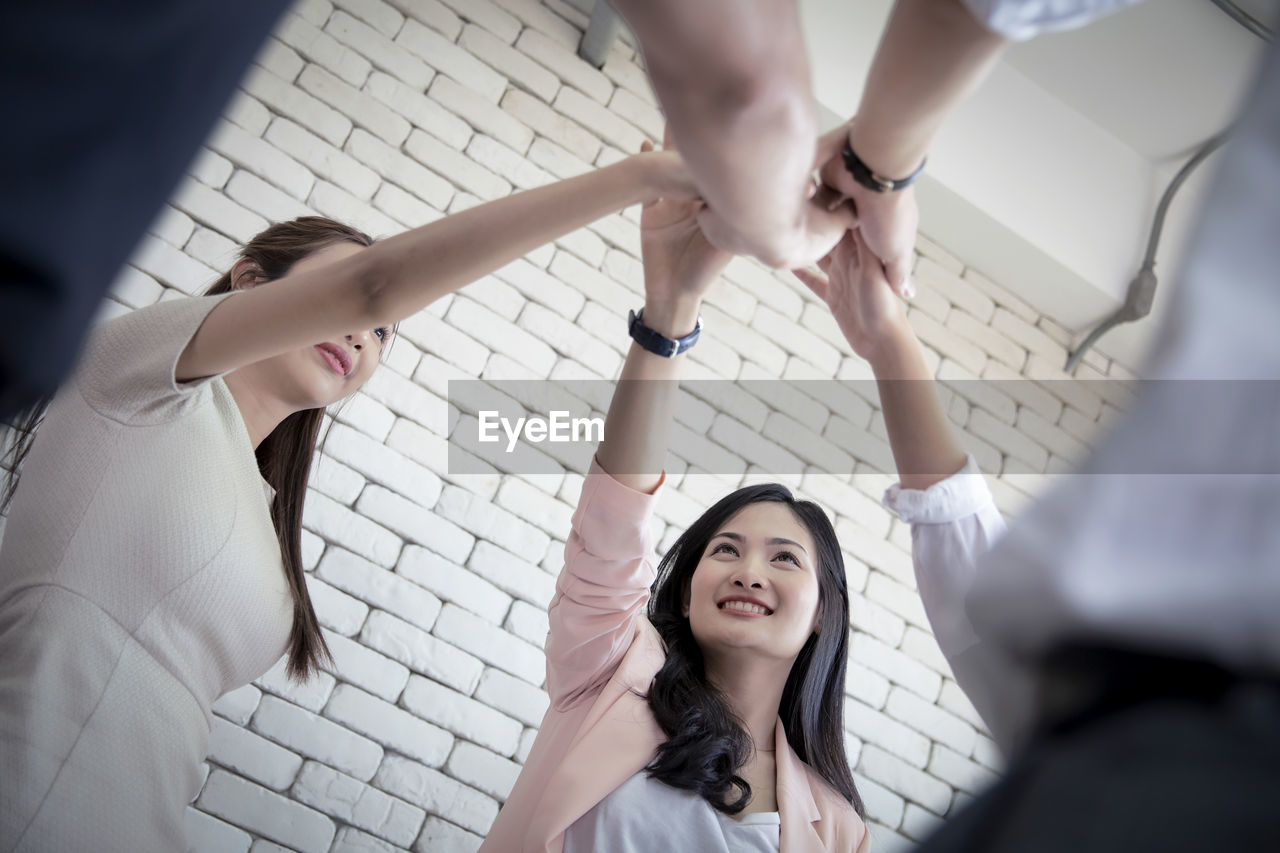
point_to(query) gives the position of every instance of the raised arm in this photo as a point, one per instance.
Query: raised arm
(931, 55)
(946, 501)
(608, 568)
(733, 80)
(399, 276)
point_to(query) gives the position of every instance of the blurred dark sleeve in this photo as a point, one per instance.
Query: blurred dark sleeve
(107, 102)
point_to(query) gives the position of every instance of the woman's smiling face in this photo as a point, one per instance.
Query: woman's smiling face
(755, 589)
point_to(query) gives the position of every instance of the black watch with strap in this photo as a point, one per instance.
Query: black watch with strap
(656, 343)
(876, 183)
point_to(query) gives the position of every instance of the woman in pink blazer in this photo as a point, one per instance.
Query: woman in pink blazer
(706, 716)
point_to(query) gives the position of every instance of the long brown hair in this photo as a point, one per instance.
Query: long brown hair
(284, 456)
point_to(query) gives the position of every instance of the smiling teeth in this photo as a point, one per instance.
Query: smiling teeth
(745, 607)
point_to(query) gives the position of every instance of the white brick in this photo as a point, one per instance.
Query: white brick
(399, 169)
(773, 458)
(596, 116)
(566, 64)
(212, 249)
(480, 114)
(931, 720)
(761, 283)
(351, 801)
(432, 13)
(745, 341)
(939, 255)
(1002, 296)
(337, 203)
(382, 17)
(501, 336)
(172, 226)
(170, 266)
(379, 587)
(798, 341)
(465, 717)
(419, 109)
(404, 207)
(252, 756)
(365, 414)
(135, 288)
(315, 737)
(472, 634)
(366, 668)
(903, 779)
(872, 726)
(953, 699)
(918, 823)
(988, 754)
(451, 583)
(448, 58)
(1080, 395)
(872, 618)
(279, 59)
(322, 158)
(383, 465)
(238, 705)
(629, 75)
(266, 813)
(211, 169)
(534, 505)
(480, 768)
(959, 772)
(338, 524)
(421, 652)
(639, 111)
(992, 342)
(962, 294)
(947, 342)
(517, 66)
(501, 23)
(249, 114)
(542, 288)
(1078, 425)
(310, 694)
(259, 196)
(1051, 436)
(288, 101)
(437, 793)
(461, 169)
(393, 727)
(1008, 439)
(538, 16)
(366, 112)
(1026, 392)
(882, 804)
(262, 159)
(870, 688)
(895, 666)
(321, 48)
(900, 599)
(569, 339)
(380, 50)
(440, 836)
(983, 393)
(351, 840)
(512, 696)
(1028, 336)
(507, 163)
(922, 646)
(335, 609)
(528, 623)
(207, 834)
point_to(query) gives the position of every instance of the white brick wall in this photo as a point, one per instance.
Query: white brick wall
(432, 588)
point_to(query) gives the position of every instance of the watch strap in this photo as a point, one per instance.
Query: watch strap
(656, 343)
(863, 174)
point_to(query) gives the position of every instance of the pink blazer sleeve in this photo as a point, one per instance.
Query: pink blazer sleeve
(603, 589)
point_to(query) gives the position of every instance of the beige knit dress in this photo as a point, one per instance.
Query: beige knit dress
(140, 578)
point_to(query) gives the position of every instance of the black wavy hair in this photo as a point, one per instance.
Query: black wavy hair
(706, 744)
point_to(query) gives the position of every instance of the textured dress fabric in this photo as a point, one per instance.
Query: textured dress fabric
(140, 578)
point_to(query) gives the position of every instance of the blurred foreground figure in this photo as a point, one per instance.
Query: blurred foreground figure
(105, 106)
(1122, 639)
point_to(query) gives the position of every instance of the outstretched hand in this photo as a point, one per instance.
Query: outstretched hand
(888, 221)
(679, 262)
(855, 288)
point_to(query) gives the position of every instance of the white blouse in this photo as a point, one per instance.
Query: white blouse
(644, 815)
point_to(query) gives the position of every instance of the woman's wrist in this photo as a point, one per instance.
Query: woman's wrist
(672, 317)
(897, 353)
